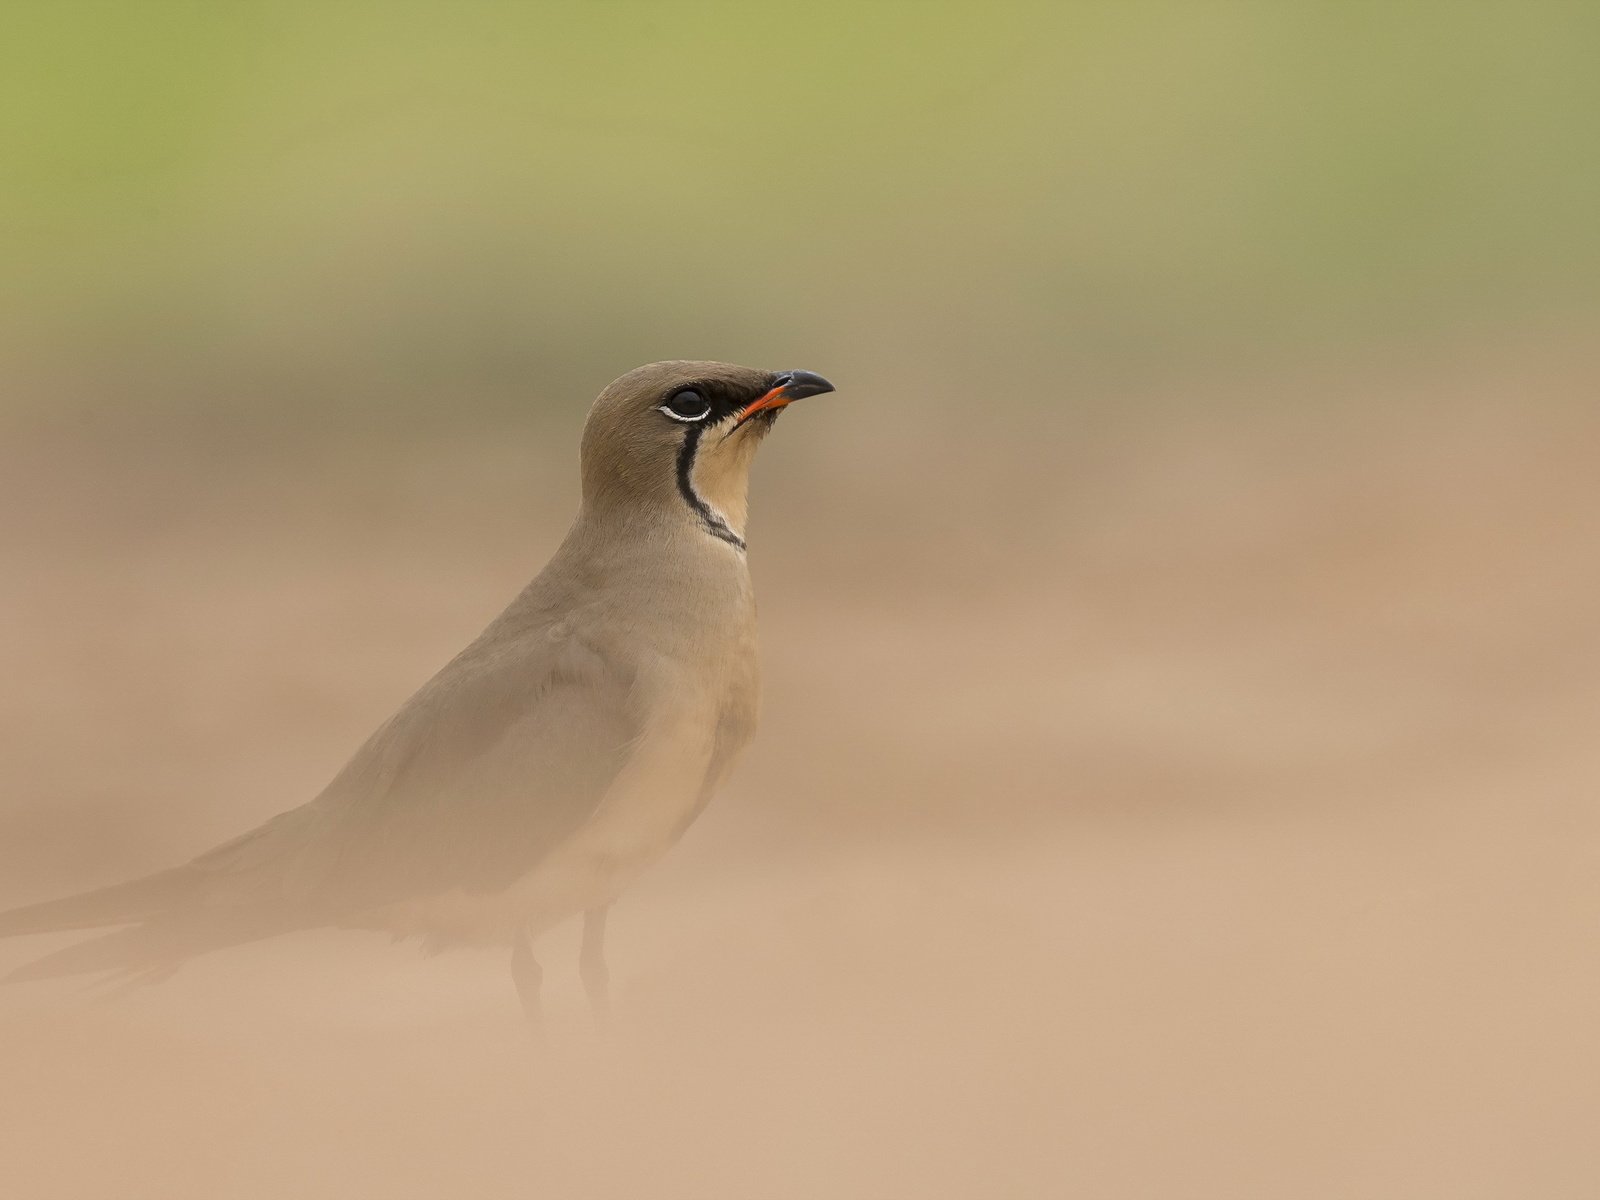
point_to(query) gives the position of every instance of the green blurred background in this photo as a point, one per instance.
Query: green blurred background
(267, 208)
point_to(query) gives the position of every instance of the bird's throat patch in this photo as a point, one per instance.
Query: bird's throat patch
(710, 518)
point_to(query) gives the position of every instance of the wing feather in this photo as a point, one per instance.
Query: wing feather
(490, 766)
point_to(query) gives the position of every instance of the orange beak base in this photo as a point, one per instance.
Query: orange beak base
(791, 386)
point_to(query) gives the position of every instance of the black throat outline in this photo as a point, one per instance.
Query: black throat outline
(714, 525)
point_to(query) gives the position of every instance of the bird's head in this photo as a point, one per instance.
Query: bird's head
(682, 434)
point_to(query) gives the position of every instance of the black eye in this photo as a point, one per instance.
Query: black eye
(687, 405)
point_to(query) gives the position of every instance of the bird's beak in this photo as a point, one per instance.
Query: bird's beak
(791, 386)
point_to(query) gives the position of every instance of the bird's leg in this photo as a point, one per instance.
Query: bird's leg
(592, 964)
(527, 975)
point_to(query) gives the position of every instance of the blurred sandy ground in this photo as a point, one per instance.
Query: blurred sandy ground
(1183, 795)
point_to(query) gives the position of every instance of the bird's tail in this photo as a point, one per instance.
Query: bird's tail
(166, 926)
(119, 904)
(157, 947)
(231, 894)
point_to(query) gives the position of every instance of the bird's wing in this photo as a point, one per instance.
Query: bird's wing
(497, 759)
(494, 762)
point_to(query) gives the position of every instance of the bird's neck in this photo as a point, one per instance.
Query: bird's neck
(703, 501)
(659, 573)
(672, 541)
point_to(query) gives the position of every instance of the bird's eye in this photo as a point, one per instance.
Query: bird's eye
(687, 405)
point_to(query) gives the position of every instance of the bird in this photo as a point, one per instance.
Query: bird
(557, 756)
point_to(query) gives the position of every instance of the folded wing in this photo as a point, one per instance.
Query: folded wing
(491, 765)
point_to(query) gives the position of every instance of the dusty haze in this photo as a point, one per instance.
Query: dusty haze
(1199, 803)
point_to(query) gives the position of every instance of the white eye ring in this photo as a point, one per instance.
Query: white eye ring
(683, 417)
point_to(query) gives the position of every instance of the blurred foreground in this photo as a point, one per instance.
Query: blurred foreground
(1170, 799)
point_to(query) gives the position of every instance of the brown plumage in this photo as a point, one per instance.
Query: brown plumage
(547, 764)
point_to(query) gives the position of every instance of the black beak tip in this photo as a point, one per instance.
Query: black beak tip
(797, 385)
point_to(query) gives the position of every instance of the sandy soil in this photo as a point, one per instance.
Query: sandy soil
(1185, 802)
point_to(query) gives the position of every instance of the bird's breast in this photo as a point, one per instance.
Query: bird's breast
(696, 725)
